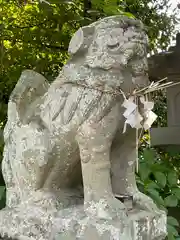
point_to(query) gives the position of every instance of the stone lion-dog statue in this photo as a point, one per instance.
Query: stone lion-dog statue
(69, 132)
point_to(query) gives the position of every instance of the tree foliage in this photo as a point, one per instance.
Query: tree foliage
(35, 35)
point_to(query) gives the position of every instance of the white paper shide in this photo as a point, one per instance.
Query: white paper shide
(138, 117)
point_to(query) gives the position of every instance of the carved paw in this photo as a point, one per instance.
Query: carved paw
(144, 202)
(106, 209)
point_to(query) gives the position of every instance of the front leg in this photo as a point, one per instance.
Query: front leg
(123, 159)
(94, 139)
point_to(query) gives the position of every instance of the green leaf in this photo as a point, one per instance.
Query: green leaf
(111, 10)
(172, 221)
(128, 14)
(176, 192)
(138, 180)
(144, 171)
(172, 230)
(149, 155)
(152, 185)
(159, 167)
(161, 178)
(155, 196)
(171, 201)
(98, 4)
(172, 178)
(171, 236)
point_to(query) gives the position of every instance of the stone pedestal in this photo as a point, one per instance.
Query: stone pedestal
(31, 223)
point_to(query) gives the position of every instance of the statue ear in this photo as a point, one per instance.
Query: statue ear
(81, 39)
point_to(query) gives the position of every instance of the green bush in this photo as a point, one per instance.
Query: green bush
(158, 177)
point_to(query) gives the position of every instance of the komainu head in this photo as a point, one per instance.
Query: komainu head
(114, 44)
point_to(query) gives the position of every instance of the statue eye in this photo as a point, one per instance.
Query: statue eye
(113, 46)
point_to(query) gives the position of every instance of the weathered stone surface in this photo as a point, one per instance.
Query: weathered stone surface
(73, 223)
(71, 131)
